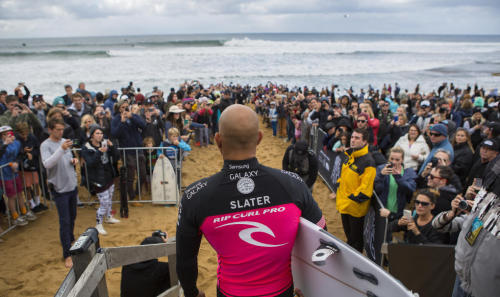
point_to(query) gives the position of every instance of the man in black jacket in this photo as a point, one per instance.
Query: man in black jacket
(146, 279)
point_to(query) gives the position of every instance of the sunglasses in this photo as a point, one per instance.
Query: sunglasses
(435, 134)
(423, 203)
(361, 121)
(431, 176)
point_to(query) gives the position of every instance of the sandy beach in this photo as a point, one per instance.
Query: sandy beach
(31, 261)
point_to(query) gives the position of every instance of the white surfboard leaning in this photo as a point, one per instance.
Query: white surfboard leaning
(164, 183)
(339, 269)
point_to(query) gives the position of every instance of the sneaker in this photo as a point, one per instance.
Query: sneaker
(100, 229)
(111, 220)
(42, 207)
(30, 216)
(20, 221)
(36, 209)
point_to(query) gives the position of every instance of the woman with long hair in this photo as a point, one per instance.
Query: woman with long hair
(463, 152)
(414, 146)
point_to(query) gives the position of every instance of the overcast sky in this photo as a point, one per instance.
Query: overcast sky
(50, 18)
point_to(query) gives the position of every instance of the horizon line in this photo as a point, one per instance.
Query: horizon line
(254, 33)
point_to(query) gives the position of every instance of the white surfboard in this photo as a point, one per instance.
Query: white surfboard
(164, 183)
(336, 269)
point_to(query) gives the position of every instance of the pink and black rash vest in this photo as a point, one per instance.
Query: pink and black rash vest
(249, 213)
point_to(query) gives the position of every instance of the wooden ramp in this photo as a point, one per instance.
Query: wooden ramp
(90, 262)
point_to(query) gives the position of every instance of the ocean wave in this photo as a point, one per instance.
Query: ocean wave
(59, 53)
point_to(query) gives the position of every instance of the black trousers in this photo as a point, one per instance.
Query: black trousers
(353, 229)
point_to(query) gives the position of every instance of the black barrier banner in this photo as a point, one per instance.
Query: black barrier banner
(329, 163)
(425, 269)
(373, 233)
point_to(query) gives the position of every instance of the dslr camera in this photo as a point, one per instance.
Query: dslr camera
(159, 233)
(463, 205)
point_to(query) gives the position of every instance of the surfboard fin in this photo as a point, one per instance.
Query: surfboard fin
(325, 250)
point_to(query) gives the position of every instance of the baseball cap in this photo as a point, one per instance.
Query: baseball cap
(440, 128)
(37, 97)
(5, 129)
(58, 100)
(425, 103)
(491, 144)
(175, 109)
(329, 125)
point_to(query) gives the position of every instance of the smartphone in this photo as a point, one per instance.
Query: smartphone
(104, 143)
(407, 214)
(389, 165)
(478, 182)
(396, 118)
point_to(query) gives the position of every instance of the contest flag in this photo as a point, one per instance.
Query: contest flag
(329, 162)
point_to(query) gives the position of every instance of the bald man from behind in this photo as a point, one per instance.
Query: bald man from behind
(249, 213)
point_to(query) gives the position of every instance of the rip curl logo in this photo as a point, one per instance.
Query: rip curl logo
(246, 234)
(245, 185)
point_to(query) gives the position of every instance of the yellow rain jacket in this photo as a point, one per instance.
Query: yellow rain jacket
(356, 183)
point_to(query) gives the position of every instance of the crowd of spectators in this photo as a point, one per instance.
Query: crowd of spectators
(127, 119)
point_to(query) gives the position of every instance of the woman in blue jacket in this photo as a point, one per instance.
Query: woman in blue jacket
(394, 184)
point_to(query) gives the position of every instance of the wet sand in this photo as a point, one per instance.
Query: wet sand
(31, 261)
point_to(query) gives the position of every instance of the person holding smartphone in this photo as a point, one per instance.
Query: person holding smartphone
(395, 184)
(418, 228)
(61, 176)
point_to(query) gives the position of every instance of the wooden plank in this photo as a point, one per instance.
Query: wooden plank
(90, 278)
(172, 292)
(119, 256)
(172, 269)
(68, 284)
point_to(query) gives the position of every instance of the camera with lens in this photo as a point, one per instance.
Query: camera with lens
(463, 205)
(434, 161)
(76, 142)
(159, 233)
(102, 113)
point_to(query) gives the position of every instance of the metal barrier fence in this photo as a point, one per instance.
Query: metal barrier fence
(137, 151)
(21, 173)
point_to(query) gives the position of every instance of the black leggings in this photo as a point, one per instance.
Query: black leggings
(353, 229)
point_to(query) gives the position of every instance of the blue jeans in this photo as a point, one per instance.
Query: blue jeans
(458, 291)
(274, 124)
(66, 209)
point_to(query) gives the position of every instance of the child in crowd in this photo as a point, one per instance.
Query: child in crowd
(30, 154)
(342, 143)
(273, 117)
(173, 141)
(12, 183)
(151, 157)
(99, 154)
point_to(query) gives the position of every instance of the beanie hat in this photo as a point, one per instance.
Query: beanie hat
(440, 128)
(93, 128)
(58, 100)
(479, 101)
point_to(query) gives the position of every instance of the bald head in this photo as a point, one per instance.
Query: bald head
(238, 131)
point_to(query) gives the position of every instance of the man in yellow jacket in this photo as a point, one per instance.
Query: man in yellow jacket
(355, 188)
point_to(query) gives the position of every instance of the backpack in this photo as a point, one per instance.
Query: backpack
(298, 163)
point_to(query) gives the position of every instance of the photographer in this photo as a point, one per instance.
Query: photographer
(149, 278)
(476, 217)
(18, 112)
(126, 127)
(395, 184)
(322, 113)
(103, 119)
